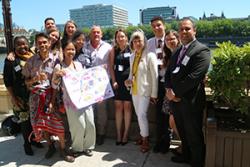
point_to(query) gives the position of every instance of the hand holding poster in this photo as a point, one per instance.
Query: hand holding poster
(88, 86)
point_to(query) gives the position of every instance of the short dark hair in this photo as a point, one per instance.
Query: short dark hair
(64, 44)
(156, 18)
(49, 18)
(17, 38)
(190, 19)
(41, 34)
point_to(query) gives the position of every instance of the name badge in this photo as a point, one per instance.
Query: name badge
(127, 55)
(49, 70)
(158, 50)
(185, 60)
(120, 68)
(17, 68)
(176, 70)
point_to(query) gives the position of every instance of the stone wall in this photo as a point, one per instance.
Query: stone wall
(6, 107)
(5, 103)
(134, 129)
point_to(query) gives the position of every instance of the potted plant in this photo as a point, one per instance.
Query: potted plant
(228, 129)
(230, 76)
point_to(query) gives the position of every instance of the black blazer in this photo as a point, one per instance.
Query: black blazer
(186, 79)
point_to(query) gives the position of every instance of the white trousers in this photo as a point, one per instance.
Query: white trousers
(141, 104)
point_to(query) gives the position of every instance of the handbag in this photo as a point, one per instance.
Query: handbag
(10, 126)
(166, 106)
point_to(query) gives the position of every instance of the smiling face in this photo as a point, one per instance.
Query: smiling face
(43, 45)
(79, 42)
(187, 31)
(138, 44)
(158, 28)
(95, 35)
(171, 41)
(54, 36)
(49, 24)
(69, 51)
(21, 46)
(70, 28)
(121, 39)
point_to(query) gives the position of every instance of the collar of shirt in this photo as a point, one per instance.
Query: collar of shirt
(89, 46)
(186, 46)
(157, 39)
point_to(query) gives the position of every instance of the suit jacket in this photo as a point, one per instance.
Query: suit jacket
(147, 74)
(186, 78)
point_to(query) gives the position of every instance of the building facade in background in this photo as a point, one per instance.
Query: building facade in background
(167, 13)
(16, 32)
(99, 14)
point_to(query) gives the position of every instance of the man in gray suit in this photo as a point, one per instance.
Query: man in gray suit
(185, 88)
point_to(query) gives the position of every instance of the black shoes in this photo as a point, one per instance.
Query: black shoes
(124, 143)
(179, 159)
(100, 139)
(121, 143)
(176, 152)
(28, 150)
(158, 148)
(50, 151)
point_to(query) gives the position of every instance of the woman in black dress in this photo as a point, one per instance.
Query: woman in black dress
(119, 71)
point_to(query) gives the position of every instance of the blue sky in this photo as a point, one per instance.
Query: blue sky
(31, 13)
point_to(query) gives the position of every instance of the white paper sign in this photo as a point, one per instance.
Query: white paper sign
(88, 86)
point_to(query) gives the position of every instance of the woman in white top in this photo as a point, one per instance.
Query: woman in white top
(143, 81)
(81, 122)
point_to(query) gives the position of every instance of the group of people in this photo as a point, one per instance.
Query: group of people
(167, 71)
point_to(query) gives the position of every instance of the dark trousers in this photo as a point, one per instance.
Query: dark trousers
(26, 130)
(162, 119)
(67, 134)
(189, 124)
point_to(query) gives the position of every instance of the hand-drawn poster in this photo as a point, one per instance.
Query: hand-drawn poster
(88, 86)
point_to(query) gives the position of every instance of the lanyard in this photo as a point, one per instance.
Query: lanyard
(136, 63)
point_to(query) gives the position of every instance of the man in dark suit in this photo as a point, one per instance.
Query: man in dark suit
(185, 89)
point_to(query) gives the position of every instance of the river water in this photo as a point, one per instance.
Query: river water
(2, 58)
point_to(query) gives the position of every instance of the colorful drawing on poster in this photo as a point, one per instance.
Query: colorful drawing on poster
(88, 86)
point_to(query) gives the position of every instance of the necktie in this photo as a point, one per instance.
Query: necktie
(159, 54)
(159, 43)
(182, 53)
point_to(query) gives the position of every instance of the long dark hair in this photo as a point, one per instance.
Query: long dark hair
(166, 50)
(116, 32)
(65, 37)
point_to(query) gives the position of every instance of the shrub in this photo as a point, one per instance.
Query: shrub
(230, 76)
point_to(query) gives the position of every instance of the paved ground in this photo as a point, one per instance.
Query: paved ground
(107, 155)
